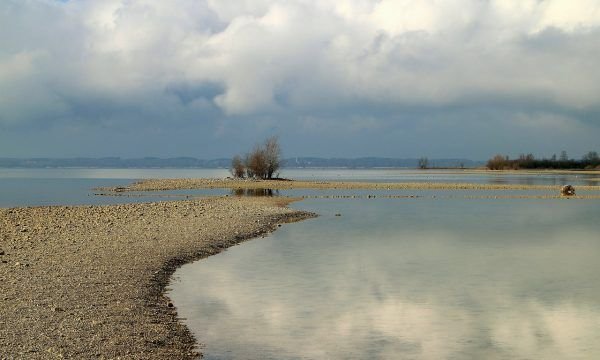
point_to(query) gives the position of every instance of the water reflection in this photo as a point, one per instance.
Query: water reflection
(255, 192)
(414, 278)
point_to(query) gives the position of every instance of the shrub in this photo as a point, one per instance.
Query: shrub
(498, 162)
(256, 162)
(238, 169)
(262, 162)
(272, 152)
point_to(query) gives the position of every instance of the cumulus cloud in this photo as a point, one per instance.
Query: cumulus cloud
(300, 57)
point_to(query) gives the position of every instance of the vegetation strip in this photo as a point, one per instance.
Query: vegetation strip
(88, 281)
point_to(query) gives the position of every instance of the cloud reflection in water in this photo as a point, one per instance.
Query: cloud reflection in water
(405, 279)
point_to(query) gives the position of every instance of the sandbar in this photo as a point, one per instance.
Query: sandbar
(231, 183)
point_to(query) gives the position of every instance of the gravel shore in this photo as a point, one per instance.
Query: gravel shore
(87, 282)
(182, 184)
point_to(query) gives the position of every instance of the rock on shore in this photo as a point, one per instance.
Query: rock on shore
(88, 281)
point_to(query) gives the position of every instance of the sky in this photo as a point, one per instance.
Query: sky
(331, 78)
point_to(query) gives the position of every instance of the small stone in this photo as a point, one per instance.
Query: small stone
(1, 252)
(170, 304)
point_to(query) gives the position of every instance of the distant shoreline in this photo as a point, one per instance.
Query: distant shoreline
(225, 163)
(450, 170)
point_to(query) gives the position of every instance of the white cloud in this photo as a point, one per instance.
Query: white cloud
(570, 15)
(301, 55)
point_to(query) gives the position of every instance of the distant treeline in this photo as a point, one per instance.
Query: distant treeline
(591, 160)
(225, 163)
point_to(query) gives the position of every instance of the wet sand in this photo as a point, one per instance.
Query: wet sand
(87, 282)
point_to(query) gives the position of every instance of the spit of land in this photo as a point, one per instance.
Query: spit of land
(87, 282)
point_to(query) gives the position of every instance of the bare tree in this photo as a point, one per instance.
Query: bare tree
(256, 162)
(564, 156)
(498, 162)
(591, 156)
(272, 152)
(423, 163)
(249, 170)
(238, 169)
(262, 162)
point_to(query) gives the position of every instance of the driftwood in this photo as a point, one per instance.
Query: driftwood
(567, 190)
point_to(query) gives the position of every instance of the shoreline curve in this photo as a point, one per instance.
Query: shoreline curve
(90, 281)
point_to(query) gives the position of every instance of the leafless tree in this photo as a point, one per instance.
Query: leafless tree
(272, 152)
(262, 162)
(498, 162)
(238, 169)
(564, 156)
(256, 162)
(591, 156)
(249, 170)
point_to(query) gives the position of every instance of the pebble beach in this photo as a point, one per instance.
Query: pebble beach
(88, 282)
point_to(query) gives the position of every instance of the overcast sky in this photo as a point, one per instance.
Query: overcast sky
(209, 78)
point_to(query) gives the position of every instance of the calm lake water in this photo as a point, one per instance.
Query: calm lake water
(30, 187)
(444, 277)
(406, 279)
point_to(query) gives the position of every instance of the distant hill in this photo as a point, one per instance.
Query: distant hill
(190, 162)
